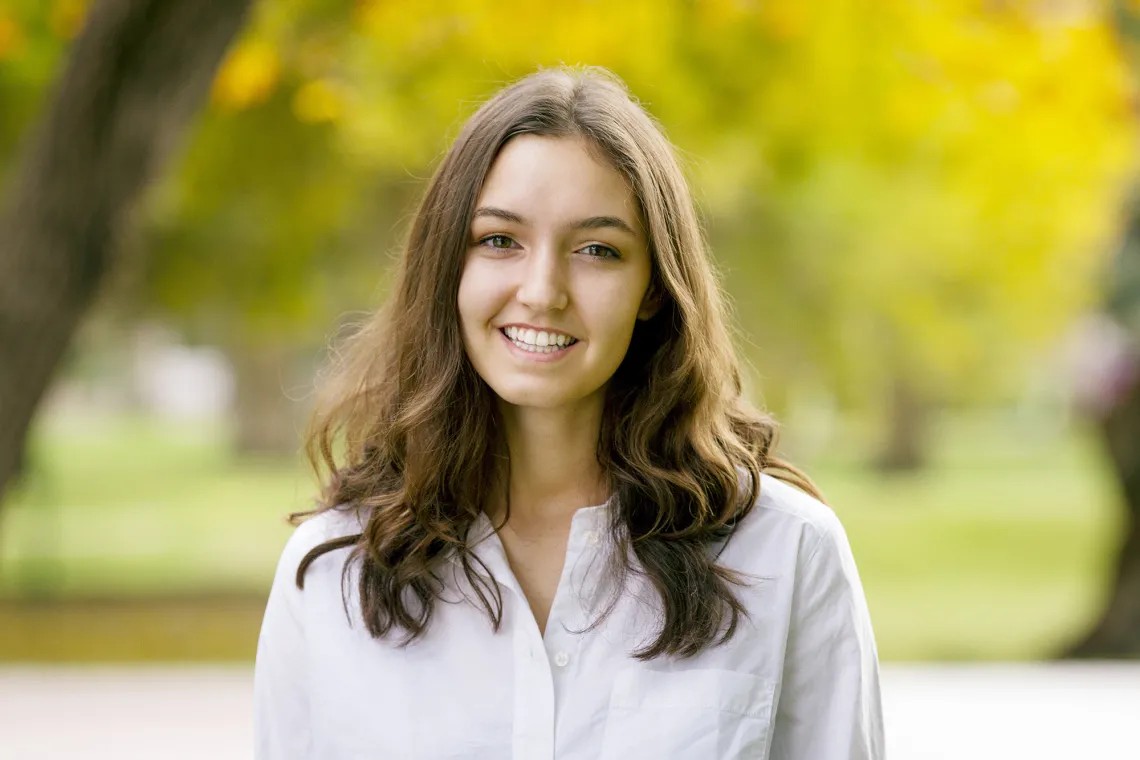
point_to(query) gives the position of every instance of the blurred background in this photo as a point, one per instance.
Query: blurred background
(924, 212)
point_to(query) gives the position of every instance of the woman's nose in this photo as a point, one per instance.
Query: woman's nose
(543, 286)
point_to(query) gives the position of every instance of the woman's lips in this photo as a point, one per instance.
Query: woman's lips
(537, 356)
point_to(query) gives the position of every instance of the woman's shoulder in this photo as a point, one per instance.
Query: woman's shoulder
(788, 503)
(783, 521)
(319, 528)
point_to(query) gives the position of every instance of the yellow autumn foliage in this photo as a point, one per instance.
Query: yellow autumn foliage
(11, 37)
(66, 17)
(248, 75)
(919, 189)
(319, 101)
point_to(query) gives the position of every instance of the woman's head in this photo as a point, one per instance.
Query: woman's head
(557, 271)
(561, 206)
(565, 166)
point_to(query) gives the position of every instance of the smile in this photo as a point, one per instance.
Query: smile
(538, 342)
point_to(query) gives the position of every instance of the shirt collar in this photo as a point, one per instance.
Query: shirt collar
(588, 524)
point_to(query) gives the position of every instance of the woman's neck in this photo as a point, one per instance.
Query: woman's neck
(554, 468)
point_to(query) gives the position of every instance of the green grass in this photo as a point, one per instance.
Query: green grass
(998, 551)
(127, 507)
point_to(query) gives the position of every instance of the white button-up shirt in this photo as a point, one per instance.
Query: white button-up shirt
(797, 682)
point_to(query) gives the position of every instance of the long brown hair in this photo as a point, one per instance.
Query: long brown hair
(418, 428)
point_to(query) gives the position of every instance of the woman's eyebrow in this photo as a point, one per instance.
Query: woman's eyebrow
(498, 213)
(589, 223)
(597, 222)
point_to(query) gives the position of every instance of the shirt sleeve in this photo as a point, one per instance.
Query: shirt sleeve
(829, 706)
(281, 723)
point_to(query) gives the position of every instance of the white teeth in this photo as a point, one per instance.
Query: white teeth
(537, 341)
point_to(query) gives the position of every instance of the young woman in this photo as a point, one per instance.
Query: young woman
(554, 528)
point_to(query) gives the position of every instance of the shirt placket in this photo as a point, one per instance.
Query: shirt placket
(562, 642)
(534, 708)
(543, 665)
(534, 691)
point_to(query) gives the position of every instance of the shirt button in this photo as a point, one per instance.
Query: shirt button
(561, 659)
(592, 538)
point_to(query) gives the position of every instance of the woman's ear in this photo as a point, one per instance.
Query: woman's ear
(651, 303)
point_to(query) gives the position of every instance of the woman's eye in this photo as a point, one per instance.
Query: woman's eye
(600, 251)
(497, 241)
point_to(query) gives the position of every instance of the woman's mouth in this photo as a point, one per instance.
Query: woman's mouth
(538, 341)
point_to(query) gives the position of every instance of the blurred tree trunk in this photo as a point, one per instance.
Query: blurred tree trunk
(266, 419)
(1117, 632)
(907, 426)
(1112, 384)
(135, 76)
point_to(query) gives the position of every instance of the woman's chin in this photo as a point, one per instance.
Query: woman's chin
(538, 395)
(532, 399)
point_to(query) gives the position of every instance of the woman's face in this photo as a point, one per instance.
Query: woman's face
(556, 273)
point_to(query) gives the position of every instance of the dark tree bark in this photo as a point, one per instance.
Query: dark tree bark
(267, 420)
(136, 75)
(1113, 401)
(907, 424)
(1117, 632)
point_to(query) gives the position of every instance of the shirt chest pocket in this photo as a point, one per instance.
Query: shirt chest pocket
(674, 715)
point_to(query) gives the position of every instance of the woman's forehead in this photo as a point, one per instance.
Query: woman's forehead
(557, 181)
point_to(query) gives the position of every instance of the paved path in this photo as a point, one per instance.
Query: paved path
(998, 712)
